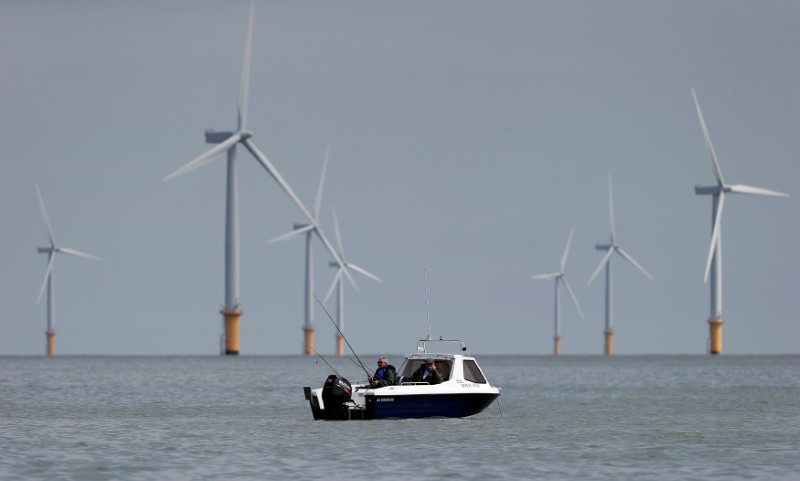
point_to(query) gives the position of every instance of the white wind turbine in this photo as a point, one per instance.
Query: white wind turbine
(51, 252)
(559, 278)
(610, 249)
(309, 230)
(227, 142)
(714, 261)
(342, 268)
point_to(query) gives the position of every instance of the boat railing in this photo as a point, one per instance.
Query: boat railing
(422, 344)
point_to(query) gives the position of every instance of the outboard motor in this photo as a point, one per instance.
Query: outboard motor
(336, 393)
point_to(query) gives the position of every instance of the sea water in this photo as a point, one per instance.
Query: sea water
(570, 417)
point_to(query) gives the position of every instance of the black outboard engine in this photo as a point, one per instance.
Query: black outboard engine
(336, 393)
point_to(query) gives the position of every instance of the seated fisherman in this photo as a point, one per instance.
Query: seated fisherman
(385, 375)
(427, 373)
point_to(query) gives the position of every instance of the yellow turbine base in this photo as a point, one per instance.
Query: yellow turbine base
(51, 343)
(609, 349)
(339, 345)
(556, 346)
(232, 331)
(715, 335)
(308, 349)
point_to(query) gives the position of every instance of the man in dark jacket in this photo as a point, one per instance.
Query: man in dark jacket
(427, 373)
(385, 375)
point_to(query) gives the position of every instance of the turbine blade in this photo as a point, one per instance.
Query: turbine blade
(292, 234)
(572, 294)
(714, 234)
(338, 233)
(632, 261)
(336, 279)
(746, 189)
(244, 84)
(46, 219)
(350, 278)
(73, 252)
(566, 249)
(318, 198)
(363, 272)
(333, 253)
(602, 263)
(341, 248)
(611, 224)
(206, 157)
(549, 275)
(47, 275)
(262, 159)
(709, 145)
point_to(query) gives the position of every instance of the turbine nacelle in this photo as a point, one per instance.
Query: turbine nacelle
(709, 189)
(736, 189)
(218, 137)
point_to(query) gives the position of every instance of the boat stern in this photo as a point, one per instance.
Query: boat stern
(314, 398)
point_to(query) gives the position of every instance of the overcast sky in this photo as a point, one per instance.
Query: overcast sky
(467, 138)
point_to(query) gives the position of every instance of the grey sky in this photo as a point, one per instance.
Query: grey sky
(466, 139)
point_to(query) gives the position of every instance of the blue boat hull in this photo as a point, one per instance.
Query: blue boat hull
(427, 405)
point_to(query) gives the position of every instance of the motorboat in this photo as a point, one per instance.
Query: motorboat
(464, 390)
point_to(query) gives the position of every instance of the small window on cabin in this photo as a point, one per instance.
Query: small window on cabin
(444, 368)
(473, 373)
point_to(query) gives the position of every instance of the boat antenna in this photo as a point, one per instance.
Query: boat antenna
(427, 310)
(345, 339)
(326, 362)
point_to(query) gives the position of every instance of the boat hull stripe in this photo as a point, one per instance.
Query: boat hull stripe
(427, 405)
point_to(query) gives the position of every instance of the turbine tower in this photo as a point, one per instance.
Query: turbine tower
(342, 268)
(559, 278)
(51, 252)
(309, 230)
(227, 142)
(714, 261)
(610, 249)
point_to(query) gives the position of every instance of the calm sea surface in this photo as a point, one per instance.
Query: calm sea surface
(573, 417)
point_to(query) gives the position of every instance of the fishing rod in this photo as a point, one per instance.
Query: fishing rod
(326, 362)
(345, 339)
(352, 360)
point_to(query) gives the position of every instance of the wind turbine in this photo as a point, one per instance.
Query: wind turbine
(227, 142)
(714, 261)
(610, 249)
(560, 279)
(342, 268)
(51, 252)
(308, 230)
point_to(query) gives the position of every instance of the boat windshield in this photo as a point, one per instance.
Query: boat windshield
(472, 372)
(443, 366)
